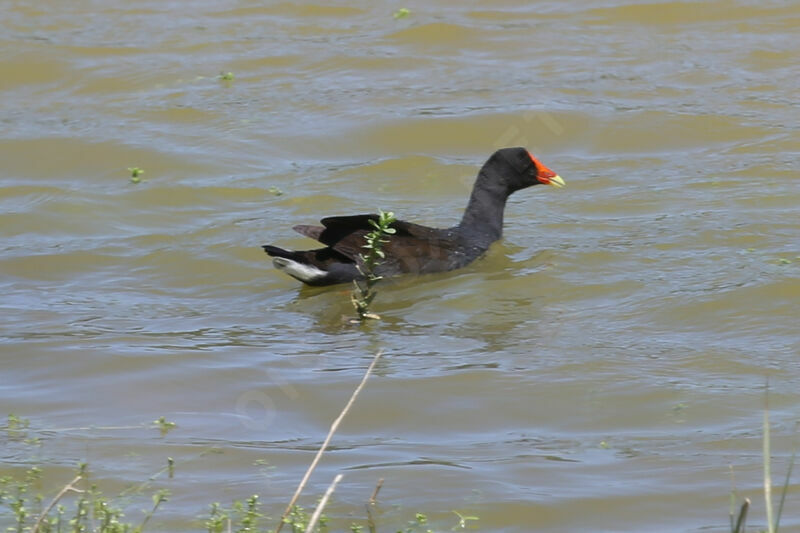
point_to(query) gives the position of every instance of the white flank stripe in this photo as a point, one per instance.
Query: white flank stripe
(304, 273)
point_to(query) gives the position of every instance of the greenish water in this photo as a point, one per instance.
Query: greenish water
(599, 369)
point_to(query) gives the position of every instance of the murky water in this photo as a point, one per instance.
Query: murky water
(599, 369)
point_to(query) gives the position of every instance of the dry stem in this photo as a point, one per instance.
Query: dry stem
(327, 441)
(68, 487)
(375, 492)
(322, 503)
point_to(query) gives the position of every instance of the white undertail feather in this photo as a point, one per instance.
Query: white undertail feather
(299, 271)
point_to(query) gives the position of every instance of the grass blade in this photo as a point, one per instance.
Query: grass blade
(742, 520)
(786, 484)
(767, 475)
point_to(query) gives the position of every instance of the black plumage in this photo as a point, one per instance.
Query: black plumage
(416, 249)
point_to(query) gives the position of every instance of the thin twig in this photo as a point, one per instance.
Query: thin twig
(68, 487)
(740, 522)
(322, 503)
(324, 446)
(370, 504)
(375, 492)
(370, 519)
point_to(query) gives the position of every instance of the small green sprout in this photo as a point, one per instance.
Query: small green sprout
(17, 427)
(298, 519)
(226, 76)
(158, 498)
(463, 519)
(163, 425)
(217, 519)
(136, 173)
(17, 423)
(247, 513)
(363, 289)
(402, 13)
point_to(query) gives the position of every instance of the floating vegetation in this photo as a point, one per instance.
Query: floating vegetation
(136, 174)
(364, 289)
(163, 425)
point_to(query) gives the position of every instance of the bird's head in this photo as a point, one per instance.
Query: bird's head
(520, 168)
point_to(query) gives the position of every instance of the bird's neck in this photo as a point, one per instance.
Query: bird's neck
(484, 214)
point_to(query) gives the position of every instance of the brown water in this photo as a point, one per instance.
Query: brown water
(599, 369)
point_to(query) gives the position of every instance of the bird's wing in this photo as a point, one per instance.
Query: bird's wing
(338, 227)
(412, 248)
(309, 231)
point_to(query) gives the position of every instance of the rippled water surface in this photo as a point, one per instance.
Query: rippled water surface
(599, 369)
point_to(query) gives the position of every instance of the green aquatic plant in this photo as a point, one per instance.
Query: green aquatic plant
(158, 498)
(463, 519)
(420, 523)
(29, 504)
(773, 518)
(364, 289)
(16, 427)
(89, 511)
(242, 516)
(738, 520)
(402, 13)
(163, 425)
(136, 174)
(298, 520)
(217, 519)
(247, 513)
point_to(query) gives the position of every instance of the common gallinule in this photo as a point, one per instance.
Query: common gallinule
(413, 248)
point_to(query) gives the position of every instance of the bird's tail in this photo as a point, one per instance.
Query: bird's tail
(296, 264)
(274, 251)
